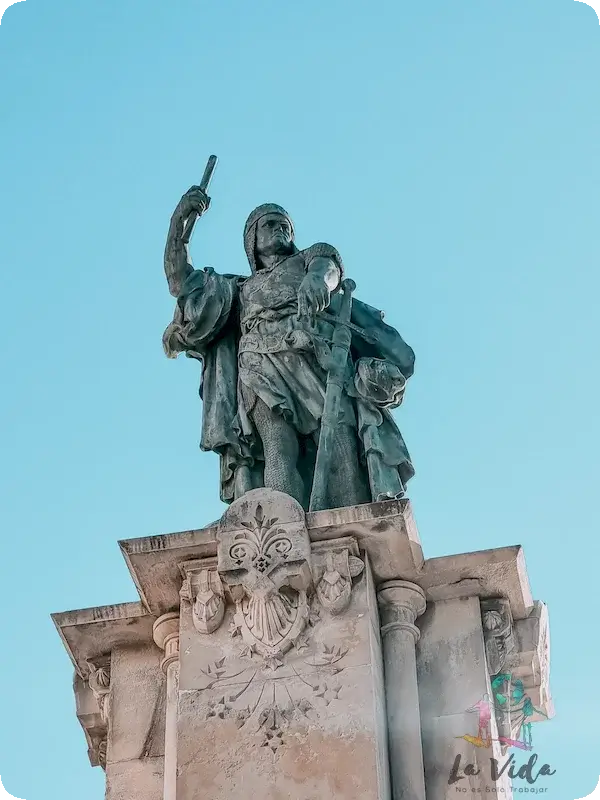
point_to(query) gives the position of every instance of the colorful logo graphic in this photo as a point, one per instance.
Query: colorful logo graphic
(514, 712)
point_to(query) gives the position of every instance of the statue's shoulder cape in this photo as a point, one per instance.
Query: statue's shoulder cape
(378, 340)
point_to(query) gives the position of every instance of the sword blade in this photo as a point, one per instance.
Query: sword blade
(204, 184)
(333, 395)
(208, 173)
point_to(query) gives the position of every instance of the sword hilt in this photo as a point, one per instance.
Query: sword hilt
(342, 334)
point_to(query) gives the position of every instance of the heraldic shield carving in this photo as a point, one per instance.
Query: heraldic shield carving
(264, 560)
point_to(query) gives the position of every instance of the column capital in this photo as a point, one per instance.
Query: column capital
(400, 603)
(165, 633)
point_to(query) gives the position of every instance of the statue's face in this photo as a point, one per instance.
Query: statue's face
(273, 235)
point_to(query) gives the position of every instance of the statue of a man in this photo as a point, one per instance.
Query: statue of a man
(265, 344)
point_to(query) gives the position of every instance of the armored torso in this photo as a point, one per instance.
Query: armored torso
(272, 296)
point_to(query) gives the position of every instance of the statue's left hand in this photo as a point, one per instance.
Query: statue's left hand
(313, 296)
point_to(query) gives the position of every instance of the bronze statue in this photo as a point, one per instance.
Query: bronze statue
(268, 343)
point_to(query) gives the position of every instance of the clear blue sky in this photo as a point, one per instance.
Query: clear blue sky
(449, 149)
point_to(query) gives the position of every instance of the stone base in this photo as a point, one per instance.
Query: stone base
(294, 728)
(270, 640)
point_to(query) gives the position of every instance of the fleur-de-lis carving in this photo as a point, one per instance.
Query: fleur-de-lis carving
(263, 543)
(265, 565)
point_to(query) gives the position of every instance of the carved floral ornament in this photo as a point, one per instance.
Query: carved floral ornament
(98, 682)
(267, 707)
(98, 749)
(498, 634)
(266, 569)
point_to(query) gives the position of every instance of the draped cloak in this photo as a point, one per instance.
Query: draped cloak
(212, 323)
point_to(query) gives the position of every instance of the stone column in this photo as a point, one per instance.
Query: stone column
(400, 603)
(166, 636)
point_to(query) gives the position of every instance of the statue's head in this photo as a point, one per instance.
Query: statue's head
(269, 231)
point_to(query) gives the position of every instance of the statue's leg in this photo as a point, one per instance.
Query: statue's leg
(348, 484)
(281, 449)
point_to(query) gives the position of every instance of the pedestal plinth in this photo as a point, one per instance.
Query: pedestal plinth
(281, 686)
(254, 663)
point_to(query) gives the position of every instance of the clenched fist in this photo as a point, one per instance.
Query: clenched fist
(195, 200)
(313, 296)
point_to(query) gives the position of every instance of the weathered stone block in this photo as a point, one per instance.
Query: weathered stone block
(137, 704)
(453, 679)
(135, 780)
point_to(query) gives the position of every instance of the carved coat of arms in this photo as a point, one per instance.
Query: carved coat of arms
(265, 562)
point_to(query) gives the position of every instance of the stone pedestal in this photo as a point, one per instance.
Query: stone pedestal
(280, 691)
(282, 654)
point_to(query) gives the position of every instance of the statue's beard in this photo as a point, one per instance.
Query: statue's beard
(276, 248)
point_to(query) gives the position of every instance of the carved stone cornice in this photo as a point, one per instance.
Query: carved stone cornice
(92, 701)
(400, 603)
(498, 634)
(518, 662)
(99, 683)
(533, 667)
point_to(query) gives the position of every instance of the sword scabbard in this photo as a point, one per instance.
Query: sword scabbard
(342, 337)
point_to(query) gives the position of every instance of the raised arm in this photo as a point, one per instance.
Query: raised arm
(178, 264)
